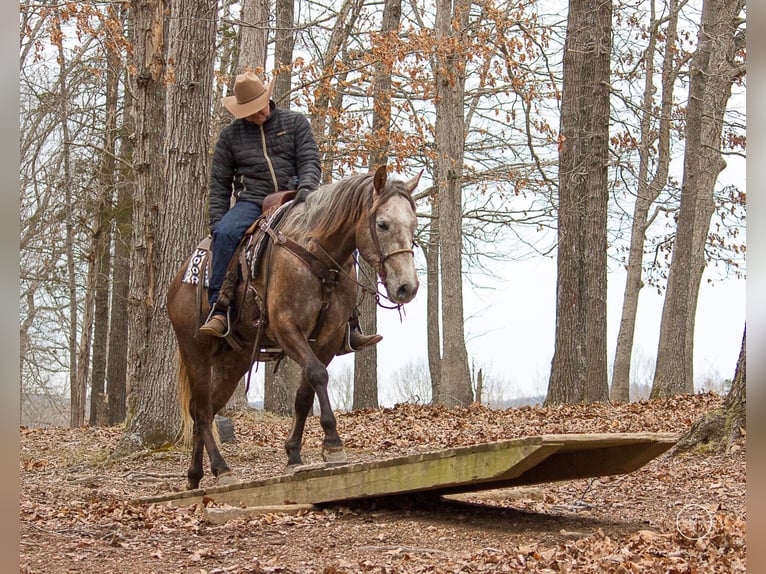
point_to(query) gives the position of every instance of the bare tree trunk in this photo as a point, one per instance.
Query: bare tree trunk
(647, 192)
(163, 234)
(284, 42)
(145, 424)
(95, 259)
(253, 36)
(433, 335)
(76, 386)
(713, 71)
(281, 386)
(117, 356)
(449, 75)
(117, 359)
(98, 404)
(347, 16)
(480, 386)
(717, 430)
(366, 362)
(578, 370)
(228, 58)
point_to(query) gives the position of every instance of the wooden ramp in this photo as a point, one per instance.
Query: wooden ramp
(532, 460)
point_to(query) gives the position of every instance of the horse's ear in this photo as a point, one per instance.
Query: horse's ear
(381, 174)
(413, 182)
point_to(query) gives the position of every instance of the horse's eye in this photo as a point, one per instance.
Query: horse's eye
(383, 225)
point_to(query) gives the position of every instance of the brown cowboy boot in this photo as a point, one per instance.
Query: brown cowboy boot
(216, 326)
(355, 339)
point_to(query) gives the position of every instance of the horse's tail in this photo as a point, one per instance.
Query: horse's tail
(184, 403)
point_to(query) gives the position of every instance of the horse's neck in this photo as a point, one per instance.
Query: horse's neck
(339, 246)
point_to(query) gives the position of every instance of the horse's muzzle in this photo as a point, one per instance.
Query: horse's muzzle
(402, 292)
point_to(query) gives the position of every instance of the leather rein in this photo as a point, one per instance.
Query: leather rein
(329, 275)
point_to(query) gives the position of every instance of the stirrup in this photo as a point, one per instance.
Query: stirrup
(347, 348)
(228, 320)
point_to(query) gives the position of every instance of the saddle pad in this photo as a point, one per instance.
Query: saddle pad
(196, 270)
(258, 239)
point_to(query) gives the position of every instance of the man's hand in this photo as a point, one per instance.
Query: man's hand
(300, 195)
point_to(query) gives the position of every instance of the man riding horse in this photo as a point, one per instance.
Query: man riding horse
(264, 150)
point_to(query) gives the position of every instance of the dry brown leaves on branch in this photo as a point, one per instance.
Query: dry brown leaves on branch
(677, 514)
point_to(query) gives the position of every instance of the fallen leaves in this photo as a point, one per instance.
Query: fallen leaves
(76, 512)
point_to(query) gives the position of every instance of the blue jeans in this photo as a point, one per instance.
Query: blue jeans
(227, 234)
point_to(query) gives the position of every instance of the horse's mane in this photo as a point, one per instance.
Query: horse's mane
(331, 206)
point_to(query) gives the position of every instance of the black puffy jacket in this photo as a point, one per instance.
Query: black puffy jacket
(252, 161)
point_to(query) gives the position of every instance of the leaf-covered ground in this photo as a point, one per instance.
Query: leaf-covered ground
(676, 514)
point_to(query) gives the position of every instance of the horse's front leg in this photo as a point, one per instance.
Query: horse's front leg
(314, 379)
(332, 446)
(304, 401)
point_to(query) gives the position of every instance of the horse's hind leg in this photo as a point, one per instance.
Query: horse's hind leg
(195, 472)
(226, 372)
(206, 399)
(304, 401)
(193, 382)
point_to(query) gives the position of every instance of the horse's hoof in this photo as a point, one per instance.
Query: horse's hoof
(334, 456)
(227, 479)
(293, 468)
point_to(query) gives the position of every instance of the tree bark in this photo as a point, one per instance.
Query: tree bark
(717, 430)
(433, 334)
(344, 22)
(228, 56)
(284, 43)
(98, 404)
(253, 35)
(76, 385)
(164, 235)
(117, 358)
(449, 76)
(647, 192)
(281, 386)
(712, 72)
(578, 370)
(366, 362)
(145, 425)
(117, 354)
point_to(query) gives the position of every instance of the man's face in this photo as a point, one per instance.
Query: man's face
(260, 116)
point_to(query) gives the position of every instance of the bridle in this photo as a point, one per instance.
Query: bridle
(381, 258)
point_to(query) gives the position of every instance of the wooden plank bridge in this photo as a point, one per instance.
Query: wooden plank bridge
(502, 464)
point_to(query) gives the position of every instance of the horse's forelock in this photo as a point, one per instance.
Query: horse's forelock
(392, 188)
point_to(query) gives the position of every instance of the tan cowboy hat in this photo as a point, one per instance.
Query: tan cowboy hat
(250, 95)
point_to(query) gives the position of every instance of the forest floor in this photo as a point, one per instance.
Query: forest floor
(683, 513)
